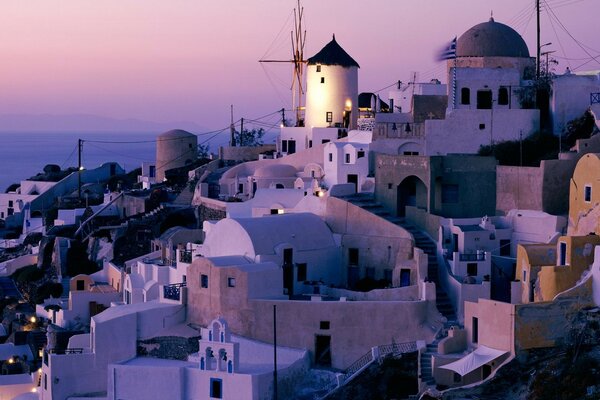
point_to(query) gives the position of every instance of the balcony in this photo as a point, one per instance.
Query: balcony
(472, 257)
(173, 292)
(185, 256)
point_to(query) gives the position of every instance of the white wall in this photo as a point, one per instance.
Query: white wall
(339, 92)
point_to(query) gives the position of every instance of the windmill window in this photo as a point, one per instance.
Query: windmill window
(318, 68)
(322, 79)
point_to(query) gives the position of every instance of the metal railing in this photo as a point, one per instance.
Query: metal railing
(472, 257)
(173, 292)
(185, 256)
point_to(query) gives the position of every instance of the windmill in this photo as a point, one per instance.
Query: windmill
(298, 37)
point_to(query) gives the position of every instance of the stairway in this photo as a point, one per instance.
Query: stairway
(423, 242)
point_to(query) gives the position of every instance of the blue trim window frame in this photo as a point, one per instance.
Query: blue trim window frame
(216, 388)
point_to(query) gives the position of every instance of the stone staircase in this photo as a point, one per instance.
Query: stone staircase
(425, 243)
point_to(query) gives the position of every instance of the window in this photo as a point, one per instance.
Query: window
(475, 332)
(562, 253)
(330, 157)
(240, 188)
(352, 256)
(288, 255)
(322, 79)
(503, 96)
(152, 171)
(291, 146)
(10, 203)
(301, 277)
(390, 185)
(318, 68)
(472, 269)
(410, 153)
(524, 275)
(284, 146)
(347, 158)
(484, 99)
(230, 282)
(481, 127)
(360, 154)
(329, 116)
(325, 141)
(505, 247)
(587, 193)
(274, 211)
(449, 193)
(324, 325)
(204, 281)
(309, 144)
(465, 96)
(80, 284)
(45, 381)
(216, 388)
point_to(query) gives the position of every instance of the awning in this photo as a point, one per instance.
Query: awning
(481, 356)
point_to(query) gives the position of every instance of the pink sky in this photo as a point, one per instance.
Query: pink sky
(169, 60)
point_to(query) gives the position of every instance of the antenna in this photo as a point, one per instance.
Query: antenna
(298, 37)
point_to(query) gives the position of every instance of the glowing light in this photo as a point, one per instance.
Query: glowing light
(280, 211)
(34, 390)
(348, 104)
(33, 320)
(81, 168)
(320, 193)
(11, 360)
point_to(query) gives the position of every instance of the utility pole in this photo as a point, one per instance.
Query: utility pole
(242, 132)
(539, 47)
(79, 166)
(232, 141)
(274, 352)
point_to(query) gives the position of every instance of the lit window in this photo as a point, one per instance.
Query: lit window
(329, 116)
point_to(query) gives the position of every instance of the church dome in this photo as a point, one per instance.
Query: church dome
(491, 39)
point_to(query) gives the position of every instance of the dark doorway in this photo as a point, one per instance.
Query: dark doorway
(323, 350)
(505, 247)
(404, 277)
(291, 146)
(353, 178)
(411, 192)
(455, 242)
(484, 99)
(288, 272)
(486, 371)
(475, 336)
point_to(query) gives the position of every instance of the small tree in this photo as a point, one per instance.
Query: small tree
(203, 151)
(250, 138)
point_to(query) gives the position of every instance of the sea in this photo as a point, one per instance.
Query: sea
(23, 155)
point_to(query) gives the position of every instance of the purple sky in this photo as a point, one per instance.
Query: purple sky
(169, 60)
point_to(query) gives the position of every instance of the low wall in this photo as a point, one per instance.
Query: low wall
(244, 153)
(429, 223)
(9, 267)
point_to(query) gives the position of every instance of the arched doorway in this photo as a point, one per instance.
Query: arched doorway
(411, 192)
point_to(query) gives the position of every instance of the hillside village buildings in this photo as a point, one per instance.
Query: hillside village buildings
(370, 233)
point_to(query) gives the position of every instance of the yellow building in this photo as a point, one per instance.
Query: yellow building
(546, 270)
(584, 196)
